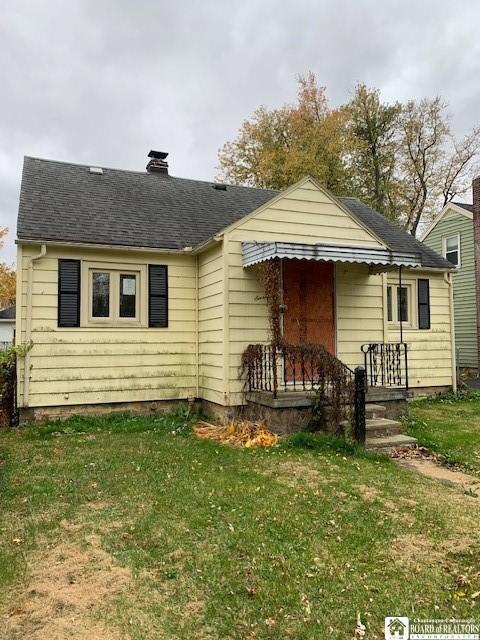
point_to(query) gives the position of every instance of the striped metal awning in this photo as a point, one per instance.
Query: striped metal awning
(255, 252)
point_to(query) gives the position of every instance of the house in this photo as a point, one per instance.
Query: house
(137, 288)
(396, 628)
(451, 235)
(7, 327)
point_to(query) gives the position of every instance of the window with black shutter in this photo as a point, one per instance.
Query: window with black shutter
(157, 295)
(68, 293)
(423, 286)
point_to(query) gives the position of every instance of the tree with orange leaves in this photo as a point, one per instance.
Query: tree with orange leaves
(7, 278)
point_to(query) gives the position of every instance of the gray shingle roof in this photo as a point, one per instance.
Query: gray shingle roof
(395, 237)
(60, 201)
(7, 314)
(464, 205)
(65, 202)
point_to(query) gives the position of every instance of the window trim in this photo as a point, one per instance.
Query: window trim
(394, 323)
(444, 249)
(114, 321)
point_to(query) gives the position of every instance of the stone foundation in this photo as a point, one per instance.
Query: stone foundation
(423, 392)
(289, 413)
(38, 415)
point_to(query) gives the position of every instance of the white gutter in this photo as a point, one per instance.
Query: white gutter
(211, 242)
(28, 323)
(120, 247)
(448, 280)
(112, 247)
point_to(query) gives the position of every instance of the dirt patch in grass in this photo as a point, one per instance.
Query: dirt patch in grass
(371, 494)
(292, 473)
(98, 505)
(66, 590)
(419, 549)
(412, 547)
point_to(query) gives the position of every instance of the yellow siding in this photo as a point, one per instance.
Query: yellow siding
(429, 350)
(247, 316)
(210, 302)
(359, 314)
(305, 214)
(95, 365)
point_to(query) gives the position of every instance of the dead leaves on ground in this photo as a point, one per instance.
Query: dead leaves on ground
(237, 433)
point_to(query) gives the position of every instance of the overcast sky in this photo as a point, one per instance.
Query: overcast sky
(104, 81)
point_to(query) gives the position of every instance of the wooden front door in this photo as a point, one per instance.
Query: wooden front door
(309, 298)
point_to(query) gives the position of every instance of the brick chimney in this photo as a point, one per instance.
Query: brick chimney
(157, 162)
(476, 240)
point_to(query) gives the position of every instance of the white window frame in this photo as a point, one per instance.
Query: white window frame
(394, 322)
(115, 270)
(444, 248)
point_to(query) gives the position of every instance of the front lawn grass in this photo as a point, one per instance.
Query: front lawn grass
(169, 537)
(450, 426)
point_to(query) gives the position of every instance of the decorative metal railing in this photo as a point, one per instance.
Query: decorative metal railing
(308, 367)
(386, 364)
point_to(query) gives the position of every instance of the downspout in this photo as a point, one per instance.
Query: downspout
(400, 296)
(226, 321)
(197, 331)
(449, 281)
(28, 324)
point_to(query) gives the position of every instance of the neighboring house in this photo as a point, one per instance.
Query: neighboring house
(7, 326)
(452, 235)
(142, 287)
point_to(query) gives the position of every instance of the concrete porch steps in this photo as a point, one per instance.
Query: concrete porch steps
(386, 444)
(291, 412)
(378, 427)
(384, 434)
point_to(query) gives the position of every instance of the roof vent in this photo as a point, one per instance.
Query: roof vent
(219, 187)
(97, 170)
(157, 164)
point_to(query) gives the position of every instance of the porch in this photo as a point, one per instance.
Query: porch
(292, 385)
(321, 299)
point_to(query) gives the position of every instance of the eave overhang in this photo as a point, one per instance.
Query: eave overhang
(256, 252)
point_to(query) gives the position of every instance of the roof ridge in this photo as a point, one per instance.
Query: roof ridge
(85, 166)
(146, 173)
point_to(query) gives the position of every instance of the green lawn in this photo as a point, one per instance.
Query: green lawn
(451, 427)
(127, 527)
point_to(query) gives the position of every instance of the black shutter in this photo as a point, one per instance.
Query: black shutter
(423, 303)
(68, 293)
(157, 295)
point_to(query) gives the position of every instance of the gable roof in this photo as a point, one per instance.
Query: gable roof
(464, 205)
(64, 202)
(462, 208)
(8, 313)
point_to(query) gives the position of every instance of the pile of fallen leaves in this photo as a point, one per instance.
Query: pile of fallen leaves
(419, 453)
(238, 433)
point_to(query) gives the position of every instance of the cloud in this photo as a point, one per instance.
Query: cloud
(103, 82)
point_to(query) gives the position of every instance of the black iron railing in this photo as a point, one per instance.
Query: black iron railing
(287, 367)
(386, 364)
(308, 367)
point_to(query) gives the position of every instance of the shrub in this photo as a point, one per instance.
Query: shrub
(8, 382)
